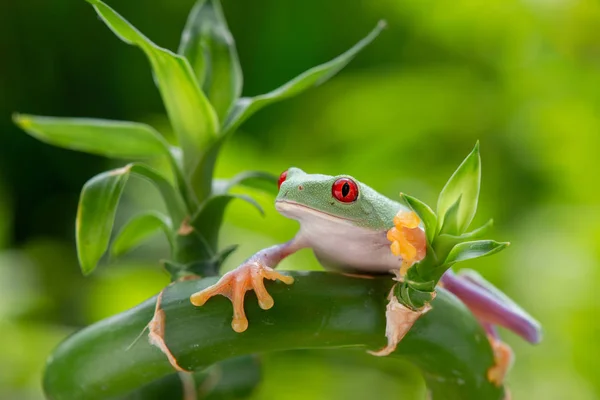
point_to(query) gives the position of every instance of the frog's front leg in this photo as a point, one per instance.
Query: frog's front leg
(249, 276)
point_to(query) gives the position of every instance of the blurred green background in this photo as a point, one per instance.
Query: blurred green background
(521, 76)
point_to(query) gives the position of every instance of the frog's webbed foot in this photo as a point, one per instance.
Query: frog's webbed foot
(408, 240)
(236, 283)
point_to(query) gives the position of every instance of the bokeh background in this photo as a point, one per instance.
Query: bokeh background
(521, 76)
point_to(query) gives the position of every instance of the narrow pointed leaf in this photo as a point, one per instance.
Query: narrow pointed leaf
(118, 139)
(251, 179)
(210, 48)
(207, 221)
(424, 212)
(138, 229)
(476, 249)
(192, 117)
(464, 182)
(450, 224)
(95, 215)
(247, 106)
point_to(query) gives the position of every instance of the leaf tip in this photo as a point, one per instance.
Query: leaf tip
(382, 24)
(22, 121)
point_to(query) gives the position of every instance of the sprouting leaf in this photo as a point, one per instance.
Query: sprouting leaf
(140, 228)
(210, 48)
(193, 118)
(98, 204)
(464, 182)
(208, 219)
(450, 224)
(119, 139)
(246, 106)
(252, 179)
(424, 212)
(469, 250)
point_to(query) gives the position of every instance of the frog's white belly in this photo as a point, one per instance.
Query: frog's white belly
(339, 244)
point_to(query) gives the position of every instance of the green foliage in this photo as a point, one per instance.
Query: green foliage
(199, 86)
(447, 242)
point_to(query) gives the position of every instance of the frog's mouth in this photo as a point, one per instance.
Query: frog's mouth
(298, 211)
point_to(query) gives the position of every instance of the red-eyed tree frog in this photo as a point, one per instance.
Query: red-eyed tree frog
(349, 227)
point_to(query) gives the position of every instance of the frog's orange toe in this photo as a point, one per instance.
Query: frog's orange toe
(234, 286)
(503, 359)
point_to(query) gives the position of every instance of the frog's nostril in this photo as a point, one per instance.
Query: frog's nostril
(300, 187)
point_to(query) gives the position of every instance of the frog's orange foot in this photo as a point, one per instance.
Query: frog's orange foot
(503, 359)
(408, 240)
(234, 286)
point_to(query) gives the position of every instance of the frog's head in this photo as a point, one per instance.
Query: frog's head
(340, 198)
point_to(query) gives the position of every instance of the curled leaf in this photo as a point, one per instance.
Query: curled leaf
(98, 205)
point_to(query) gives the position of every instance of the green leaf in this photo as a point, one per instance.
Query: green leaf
(424, 212)
(140, 228)
(207, 221)
(95, 215)
(193, 118)
(247, 106)
(470, 250)
(210, 48)
(464, 182)
(251, 179)
(119, 139)
(450, 224)
(98, 204)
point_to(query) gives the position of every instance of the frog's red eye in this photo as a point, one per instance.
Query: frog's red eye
(281, 178)
(345, 190)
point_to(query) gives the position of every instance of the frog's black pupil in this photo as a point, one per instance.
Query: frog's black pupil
(345, 189)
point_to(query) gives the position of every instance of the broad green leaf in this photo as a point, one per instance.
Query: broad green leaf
(98, 204)
(251, 179)
(138, 229)
(193, 118)
(469, 250)
(464, 182)
(119, 139)
(210, 48)
(247, 106)
(474, 234)
(207, 221)
(95, 215)
(424, 212)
